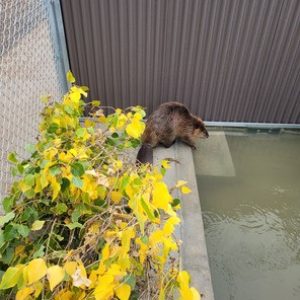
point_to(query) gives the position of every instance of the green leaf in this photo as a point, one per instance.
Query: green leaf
(29, 214)
(80, 132)
(95, 103)
(30, 148)
(75, 215)
(55, 170)
(110, 141)
(60, 208)
(147, 210)
(175, 202)
(22, 229)
(12, 158)
(68, 109)
(70, 77)
(130, 280)
(8, 255)
(52, 128)
(77, 169)
(8, 203)
(58, 237)
(11, 277)
(2, 240)
(145, 239)
(135, 143)
(74, 225)
(10, 233)
(115, 135)
(65, 182)
(77, 182)
(37, 225)
(6, 218)
(163, 171)
(20, 168)
(29, 194)
(14, 171)
(124, 182)
(40, 252)
(91, 130)
(29, 180)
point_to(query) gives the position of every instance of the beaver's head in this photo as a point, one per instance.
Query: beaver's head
(200, 129)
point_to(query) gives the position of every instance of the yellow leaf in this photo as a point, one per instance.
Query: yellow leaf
(19, 250)
(50, 153)
(37, 225)
(161, 195)
(186, 292)
(80, 277)
(180, 183)
(196, 295)
(183, 278)
(165, 164)
(135, 129)
(70, 267)
(75, 97)
(94, 228)
(185, 190)
(55, 275)
(55, 187)
(45, 98)
(169, 225)
(70, 77)
(118, 164)
(116, 197)
(156, 237)
(63, 295)
(80, 89)
(65, 157)
(123, 291)
(38, 287)
(102, 119)
(24, 293)
(11, 277)
(89, 123)
(36, 270)
(23, 186)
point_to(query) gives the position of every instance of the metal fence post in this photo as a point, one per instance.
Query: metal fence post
(58, 32)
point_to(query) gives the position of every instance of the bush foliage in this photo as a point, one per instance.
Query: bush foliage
(82, 221)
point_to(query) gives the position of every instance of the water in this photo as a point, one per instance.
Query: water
(252, 219)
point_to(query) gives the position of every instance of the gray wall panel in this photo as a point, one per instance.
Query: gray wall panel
(227, 60)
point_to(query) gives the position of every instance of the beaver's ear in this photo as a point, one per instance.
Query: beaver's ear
(198, 123)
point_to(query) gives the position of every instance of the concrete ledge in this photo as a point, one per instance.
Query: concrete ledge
(193, 251)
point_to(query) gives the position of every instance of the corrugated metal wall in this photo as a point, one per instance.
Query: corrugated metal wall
(227, 60)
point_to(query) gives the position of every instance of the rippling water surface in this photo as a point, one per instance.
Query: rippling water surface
(252, 220)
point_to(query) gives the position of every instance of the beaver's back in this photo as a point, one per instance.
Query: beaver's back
(169, 121)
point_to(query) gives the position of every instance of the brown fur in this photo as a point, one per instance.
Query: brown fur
(170, 122)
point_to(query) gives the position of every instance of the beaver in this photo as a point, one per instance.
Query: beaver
(170, 122)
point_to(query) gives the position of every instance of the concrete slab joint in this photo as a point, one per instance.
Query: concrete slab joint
(193, 252)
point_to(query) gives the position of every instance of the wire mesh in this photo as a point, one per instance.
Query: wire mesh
(28, 69)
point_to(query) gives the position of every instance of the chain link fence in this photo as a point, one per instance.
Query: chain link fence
(29, 68)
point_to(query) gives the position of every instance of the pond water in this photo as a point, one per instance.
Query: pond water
(251, 214)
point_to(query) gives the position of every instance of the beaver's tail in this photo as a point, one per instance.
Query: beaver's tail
(145, 154)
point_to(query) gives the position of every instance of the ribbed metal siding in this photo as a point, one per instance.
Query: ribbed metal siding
(228, 60)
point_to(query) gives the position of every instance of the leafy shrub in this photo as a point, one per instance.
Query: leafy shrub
(83, 222)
